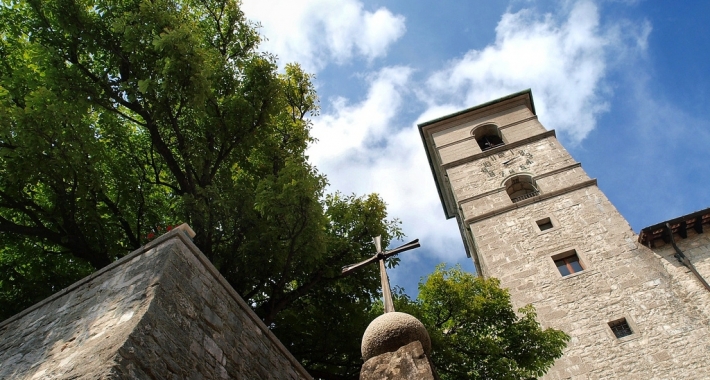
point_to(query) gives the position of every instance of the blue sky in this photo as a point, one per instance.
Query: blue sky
(624, 83)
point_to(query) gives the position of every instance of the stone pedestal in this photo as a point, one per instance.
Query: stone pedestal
(408, 362)
(396, 346)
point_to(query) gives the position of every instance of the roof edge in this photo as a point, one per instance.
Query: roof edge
(434, 174)
(646, 233)
(487, 104)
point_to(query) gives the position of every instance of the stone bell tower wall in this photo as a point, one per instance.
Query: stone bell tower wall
(620, 279)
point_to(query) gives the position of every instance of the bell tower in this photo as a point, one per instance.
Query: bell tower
(532, 217)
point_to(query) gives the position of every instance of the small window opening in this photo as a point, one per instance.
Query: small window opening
(568, 264)
(620, 328)
(488, 137)
(544, 224)
(521, 187)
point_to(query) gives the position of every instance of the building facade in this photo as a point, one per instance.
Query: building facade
(530, 216)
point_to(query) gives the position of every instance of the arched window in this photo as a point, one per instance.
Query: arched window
(521, 187)
(488, 136)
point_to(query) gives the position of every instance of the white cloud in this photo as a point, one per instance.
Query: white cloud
(364, 148)
(351, 128)
(564, 58)
(317, 32)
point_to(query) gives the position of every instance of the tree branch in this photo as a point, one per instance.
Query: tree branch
(133, 239)
(38, 231)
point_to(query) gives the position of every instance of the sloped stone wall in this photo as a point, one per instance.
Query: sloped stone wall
(75, 333)
(163, 312)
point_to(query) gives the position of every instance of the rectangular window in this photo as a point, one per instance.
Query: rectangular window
(569, 264)
(544, 224)
(620, 328)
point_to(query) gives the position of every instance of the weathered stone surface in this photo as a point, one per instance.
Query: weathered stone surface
(390, 331)
(163, 312)
(666, 306)
(408, 362)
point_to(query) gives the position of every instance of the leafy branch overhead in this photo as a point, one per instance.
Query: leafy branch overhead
(476, 333)
(118, 118)
(121, 117)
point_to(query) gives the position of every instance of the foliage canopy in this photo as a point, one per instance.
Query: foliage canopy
(476, 333)
(121, 117)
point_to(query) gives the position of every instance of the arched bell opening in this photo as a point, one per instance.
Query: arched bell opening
(488, 136)
(521, 187)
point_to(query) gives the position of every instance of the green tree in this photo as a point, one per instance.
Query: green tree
(475, 332)
(121, 117)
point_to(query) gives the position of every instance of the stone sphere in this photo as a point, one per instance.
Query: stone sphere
(390, 331)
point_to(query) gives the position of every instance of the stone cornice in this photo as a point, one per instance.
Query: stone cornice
(473, 137)
(482, 195)
(535, 199)
(560, 170)
(499, 149)
(527, 93)
(543, 175)
(518, 122)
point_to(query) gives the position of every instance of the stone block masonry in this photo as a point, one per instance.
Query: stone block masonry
(632, 312)
(408, 362)
(162, 312)
(621, 279)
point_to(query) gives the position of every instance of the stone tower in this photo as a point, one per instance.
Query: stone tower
(530, 216)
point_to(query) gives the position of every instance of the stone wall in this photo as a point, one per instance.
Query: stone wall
(163, 312)
(408, 362)
(620, 280)
(696, 247)
(665, 306)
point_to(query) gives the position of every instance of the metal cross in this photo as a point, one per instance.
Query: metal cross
(381, 256)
